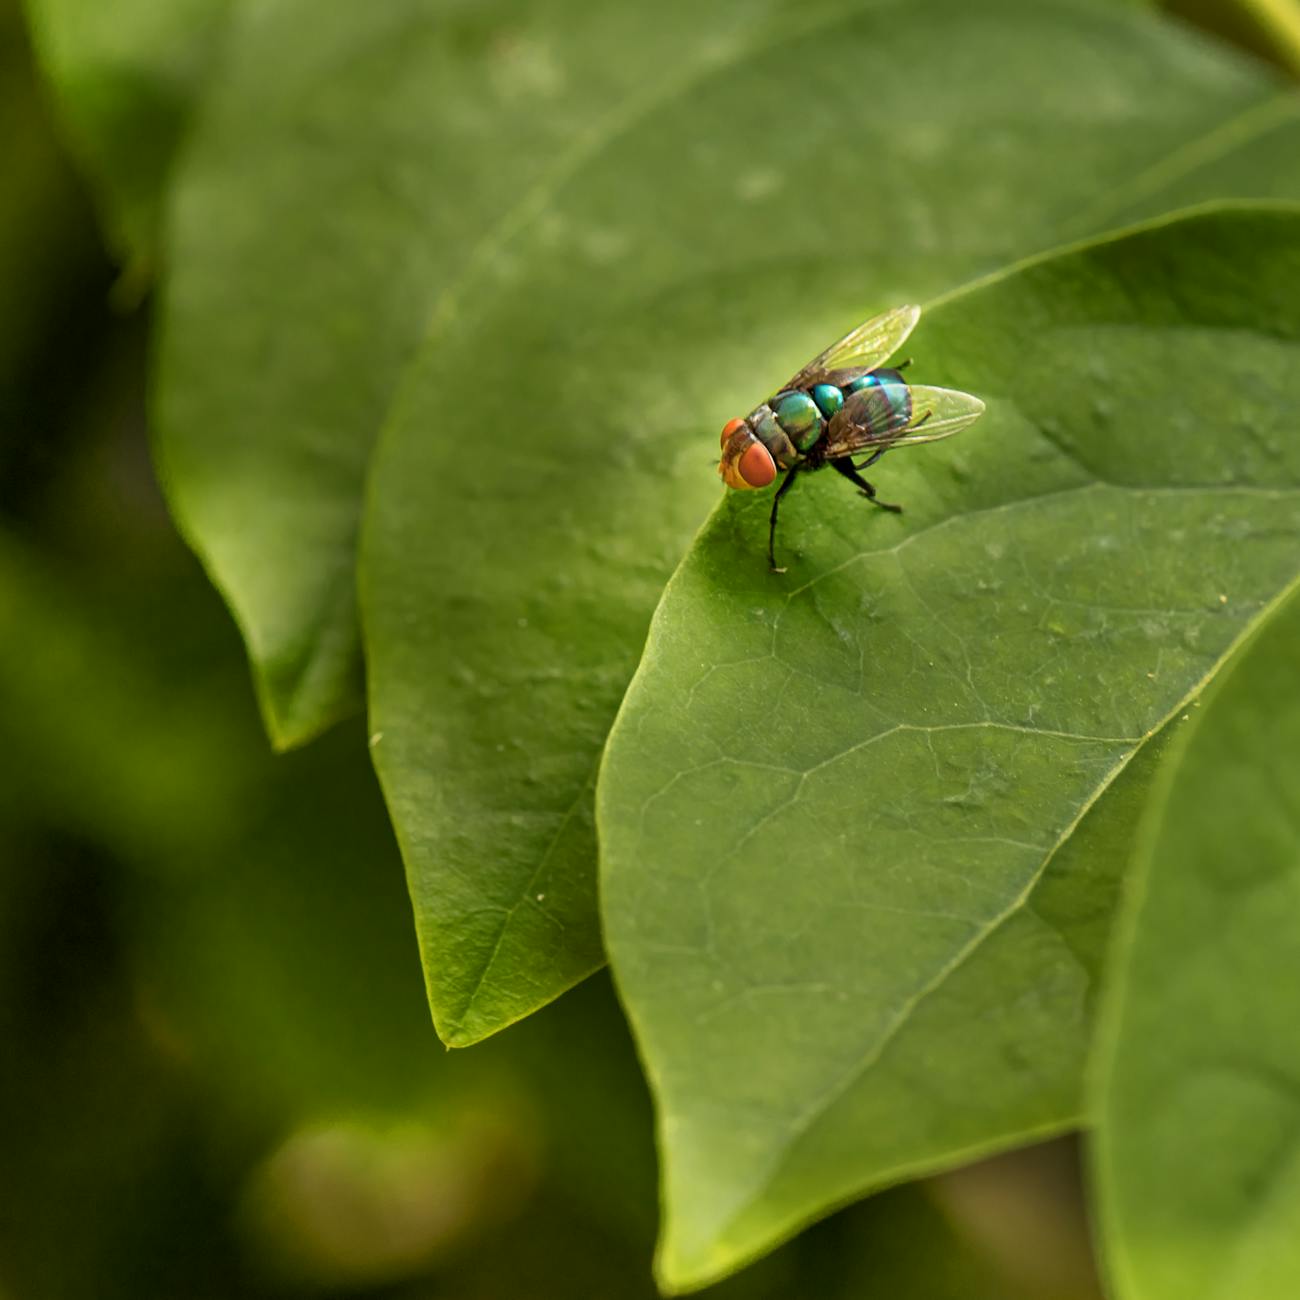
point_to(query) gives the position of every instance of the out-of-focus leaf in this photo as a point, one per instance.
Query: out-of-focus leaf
(101, 1193)
(126, 75)
(47, 252)
(1026, 1209)
(1198, 1078)
(1269, 28)
(549, 458)
(283, 960)
(107, 748)
(837, 803)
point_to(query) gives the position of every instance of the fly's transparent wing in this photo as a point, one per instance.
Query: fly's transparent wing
(866, 422)
(862, 349)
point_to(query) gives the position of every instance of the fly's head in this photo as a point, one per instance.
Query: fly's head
(745, 463)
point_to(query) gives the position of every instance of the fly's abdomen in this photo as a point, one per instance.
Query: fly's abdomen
(828, 398)
(889, 402)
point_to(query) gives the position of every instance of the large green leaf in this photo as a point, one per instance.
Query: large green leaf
(352, 167)
(1199, 1072)
(126, 75)
(549, 459)
(358, 174)
(844, 893)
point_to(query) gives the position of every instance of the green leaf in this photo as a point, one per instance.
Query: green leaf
(351, 168)
(126, 76)
(1269, 28)
(73, 689)
(1197, 1101)
(251, 957)
(847, 894)
(360, 174)
(289, 321)
(550, 455)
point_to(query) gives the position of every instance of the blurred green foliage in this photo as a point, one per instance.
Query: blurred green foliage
(1195, 1085)
(128, 76)
(1269, 29)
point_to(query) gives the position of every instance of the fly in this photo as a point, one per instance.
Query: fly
(841, 403)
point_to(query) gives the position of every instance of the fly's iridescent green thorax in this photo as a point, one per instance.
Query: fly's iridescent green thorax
(792, 423)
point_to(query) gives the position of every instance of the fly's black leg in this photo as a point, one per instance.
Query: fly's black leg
(903, 365)
(786, 483)
(843, 467)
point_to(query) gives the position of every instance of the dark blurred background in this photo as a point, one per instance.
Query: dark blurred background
(217, 1071)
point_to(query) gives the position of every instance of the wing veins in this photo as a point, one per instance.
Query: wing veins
(862, 349)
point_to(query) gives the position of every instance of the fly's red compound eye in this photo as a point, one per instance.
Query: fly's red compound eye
(729, 428)
(756, 465)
